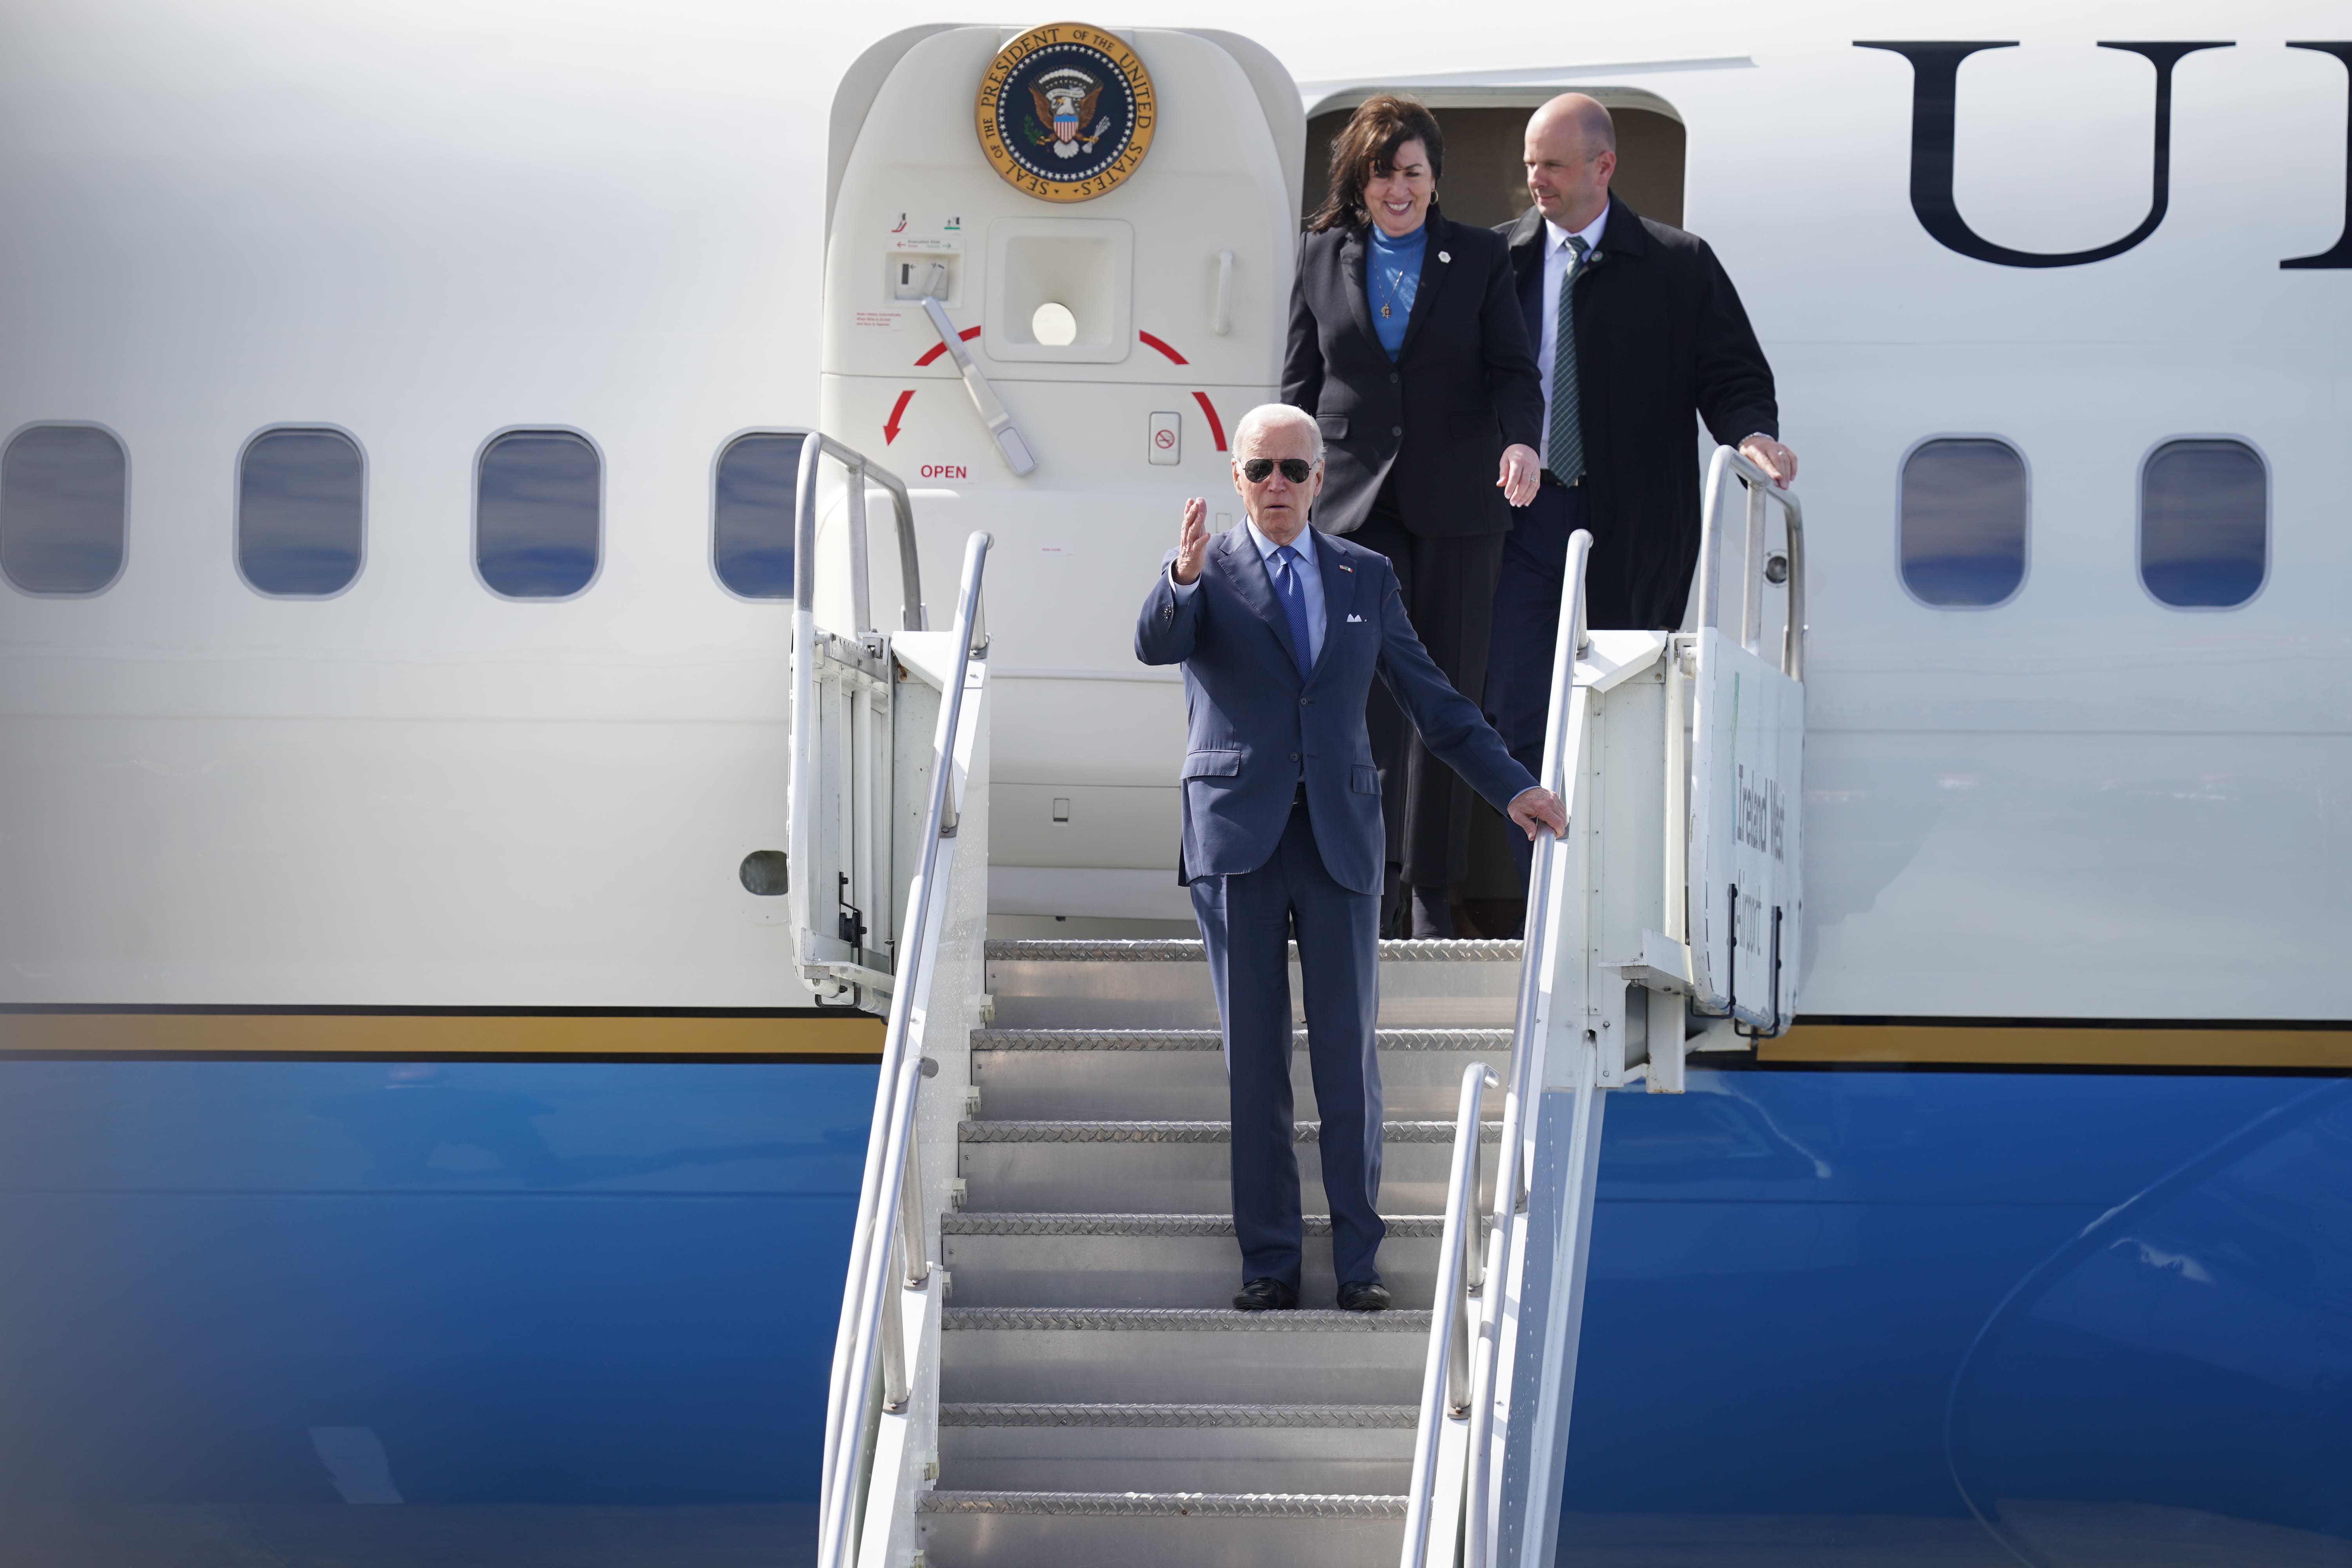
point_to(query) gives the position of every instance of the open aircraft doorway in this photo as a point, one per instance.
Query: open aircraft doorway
(1484, 182)
(1486, 128)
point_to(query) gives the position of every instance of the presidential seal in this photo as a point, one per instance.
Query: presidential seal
(1065, 112)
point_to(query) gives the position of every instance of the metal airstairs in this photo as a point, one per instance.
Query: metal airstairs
(1037, 1360)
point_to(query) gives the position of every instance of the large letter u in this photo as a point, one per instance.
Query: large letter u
(1935, 94)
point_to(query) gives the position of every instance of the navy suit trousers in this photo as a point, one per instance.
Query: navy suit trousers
(1248, 920)
(1526, 630)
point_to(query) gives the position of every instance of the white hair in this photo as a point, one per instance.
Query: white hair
(1275, 417)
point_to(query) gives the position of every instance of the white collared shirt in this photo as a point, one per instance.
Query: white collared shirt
(1311, 580)
(1556, 259)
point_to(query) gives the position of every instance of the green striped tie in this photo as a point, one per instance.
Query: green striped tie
(1567, 446)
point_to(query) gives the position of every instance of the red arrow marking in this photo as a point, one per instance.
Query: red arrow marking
(1216, 427)
(936, 349)
(1151, 341)
(890, 430)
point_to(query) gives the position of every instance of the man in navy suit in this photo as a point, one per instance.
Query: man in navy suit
(1280, 630)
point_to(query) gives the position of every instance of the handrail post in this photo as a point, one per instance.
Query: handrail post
(895, 1389)
(914, 1246)
(1751, 599)
(912, 615)
(861, 590)
(1792, 636)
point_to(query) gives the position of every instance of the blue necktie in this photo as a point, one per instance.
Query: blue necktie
(1293, 604)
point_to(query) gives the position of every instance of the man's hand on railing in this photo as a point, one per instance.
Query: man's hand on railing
(1772, 458)
(1539, 807)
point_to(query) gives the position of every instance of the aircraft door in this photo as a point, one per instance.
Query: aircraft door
(1057, 271)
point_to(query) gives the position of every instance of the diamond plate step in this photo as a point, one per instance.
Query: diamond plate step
(1171, 1354)
(1051, 984)
(1061, 1073)
(1152, 1260)
(969, 1529)
(1153, 1447)
(1162, 1167)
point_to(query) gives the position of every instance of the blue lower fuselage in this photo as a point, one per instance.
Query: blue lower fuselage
(580, 1313)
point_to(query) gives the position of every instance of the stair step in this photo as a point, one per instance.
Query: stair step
(1151, 1260)
(1166, 1354)
(1095, 1445)
(974, 1529)
(1052, 983)
(1154, 1167)
(1040, 1073)
(1141, 1416)
(1189, 950)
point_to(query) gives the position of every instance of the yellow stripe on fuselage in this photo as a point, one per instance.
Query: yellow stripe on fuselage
(2058, 1045)
(228, 1033)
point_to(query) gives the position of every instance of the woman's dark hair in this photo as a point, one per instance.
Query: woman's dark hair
(1367, 146)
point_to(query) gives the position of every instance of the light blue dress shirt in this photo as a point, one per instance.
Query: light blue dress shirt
(1310, 580)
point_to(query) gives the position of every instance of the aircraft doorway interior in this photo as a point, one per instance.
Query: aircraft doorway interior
(1484, 182)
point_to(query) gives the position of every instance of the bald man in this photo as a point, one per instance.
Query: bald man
(1637, 329)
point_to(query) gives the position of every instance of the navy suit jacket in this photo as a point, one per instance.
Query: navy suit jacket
(1257, 727)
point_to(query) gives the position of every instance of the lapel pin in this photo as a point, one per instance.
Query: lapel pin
(1445, 256)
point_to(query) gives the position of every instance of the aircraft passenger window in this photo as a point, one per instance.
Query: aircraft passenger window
(301, 497)
(538, 514)
(61, 508)
(754, 515)
(2204, 525)
(1964, 507)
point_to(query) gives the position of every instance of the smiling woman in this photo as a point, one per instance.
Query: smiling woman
(1407, 345)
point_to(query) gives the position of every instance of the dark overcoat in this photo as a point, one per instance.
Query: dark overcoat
(1439, 415)
(1659, 333)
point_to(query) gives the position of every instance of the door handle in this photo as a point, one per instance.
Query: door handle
(1007, 435)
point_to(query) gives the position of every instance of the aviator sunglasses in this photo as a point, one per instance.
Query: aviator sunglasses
(1294, 470)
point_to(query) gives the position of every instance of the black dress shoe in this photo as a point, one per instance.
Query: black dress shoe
(1273, 1296)
(1361, 1296)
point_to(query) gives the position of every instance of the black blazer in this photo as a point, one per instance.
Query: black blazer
(1659, 334)
(1439, 417)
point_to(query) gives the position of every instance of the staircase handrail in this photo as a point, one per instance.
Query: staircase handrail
(1563, 752)
(889, 1221)
(802, 781)
(815, 445)
(1446, 1380)
(1761, 487)
(1563, 735)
